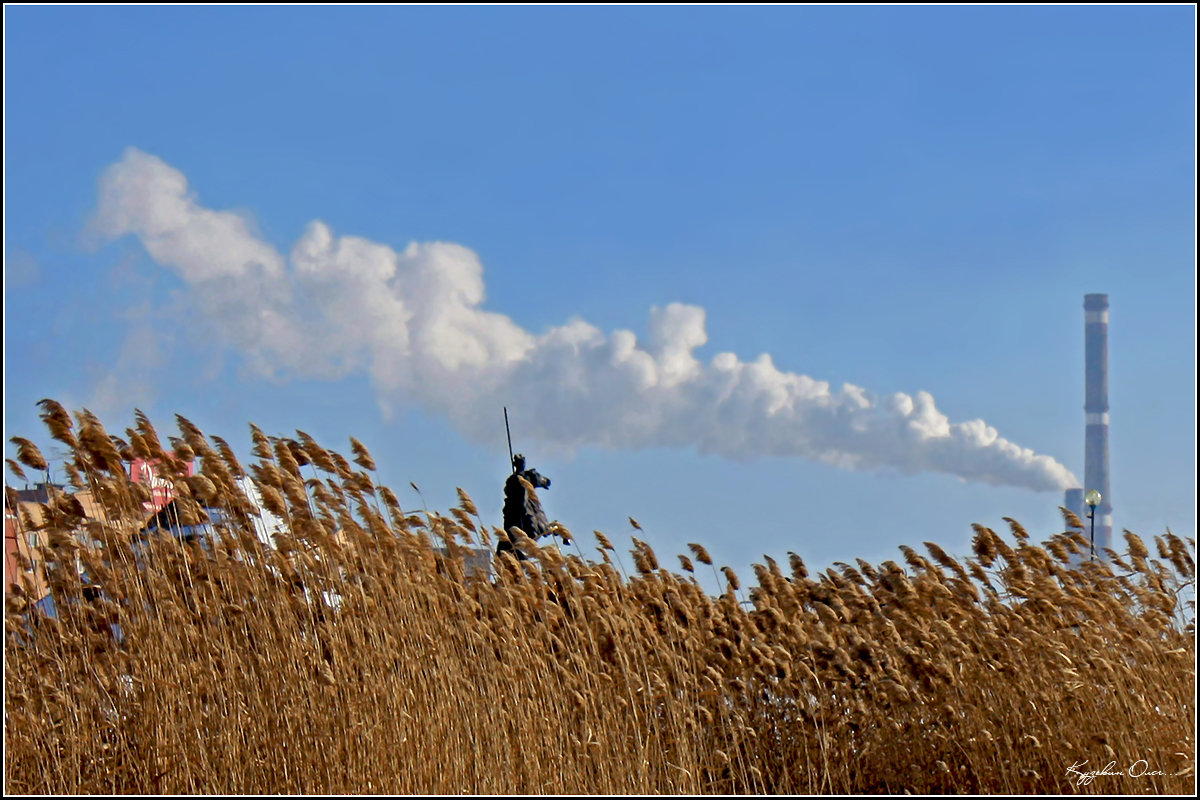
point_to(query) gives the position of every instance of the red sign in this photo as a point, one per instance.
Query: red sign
(162, 491)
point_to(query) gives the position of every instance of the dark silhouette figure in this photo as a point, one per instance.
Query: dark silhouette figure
(522, 508)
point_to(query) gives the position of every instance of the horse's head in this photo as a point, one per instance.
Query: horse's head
(538, 480)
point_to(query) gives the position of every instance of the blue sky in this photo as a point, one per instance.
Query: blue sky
(902, 199)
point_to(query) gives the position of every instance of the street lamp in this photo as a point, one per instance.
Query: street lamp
(1093, 498)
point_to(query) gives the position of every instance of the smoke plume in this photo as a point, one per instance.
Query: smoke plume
(413, 320)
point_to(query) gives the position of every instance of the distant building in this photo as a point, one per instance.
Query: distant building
(39, 493)
(25, 538)
(476, 560)
(22, 545)
(169, 520)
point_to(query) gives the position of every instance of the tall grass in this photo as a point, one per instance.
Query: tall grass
(989, 674)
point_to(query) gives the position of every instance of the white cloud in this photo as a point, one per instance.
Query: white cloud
(414, 321)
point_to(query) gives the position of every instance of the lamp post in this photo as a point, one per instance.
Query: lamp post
(1093, 498)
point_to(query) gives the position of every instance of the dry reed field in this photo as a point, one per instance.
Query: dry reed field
(352, 657)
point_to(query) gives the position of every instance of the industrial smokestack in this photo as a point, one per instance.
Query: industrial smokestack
(1095, 470)
(1073, 502)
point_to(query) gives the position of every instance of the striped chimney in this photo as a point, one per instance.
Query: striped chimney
(1095, 469)
(1073, 502)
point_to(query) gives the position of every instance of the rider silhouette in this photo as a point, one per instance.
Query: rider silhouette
(522, 509)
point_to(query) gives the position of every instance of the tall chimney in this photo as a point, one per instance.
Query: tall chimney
(1095, 469)
(1073, 501)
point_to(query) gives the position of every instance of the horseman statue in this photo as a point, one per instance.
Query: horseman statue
(523, 510)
